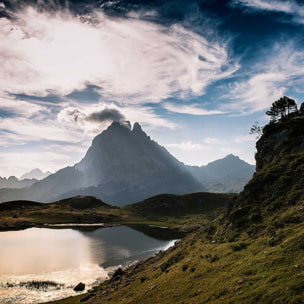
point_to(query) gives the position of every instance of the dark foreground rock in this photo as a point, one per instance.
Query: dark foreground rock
(117, 274)
(79, 287)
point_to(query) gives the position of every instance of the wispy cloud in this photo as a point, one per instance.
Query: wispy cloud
(15, 107)
(132, 60)
(244, 138)
(289, 7)
(193, 109)
(269, 79)
(186, 146)
(210, 140)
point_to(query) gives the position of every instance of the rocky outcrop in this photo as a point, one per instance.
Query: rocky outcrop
(279, 179)
(268, 146)
(282, 137)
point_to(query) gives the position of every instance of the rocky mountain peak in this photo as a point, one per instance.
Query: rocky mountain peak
(231, 156)
(137, 127)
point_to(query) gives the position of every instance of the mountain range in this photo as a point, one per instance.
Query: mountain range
(26, 180)
(35, 174)
(124, 165)
(14, 182)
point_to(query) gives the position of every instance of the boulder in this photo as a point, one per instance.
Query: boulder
(117, 274)
(79, 287)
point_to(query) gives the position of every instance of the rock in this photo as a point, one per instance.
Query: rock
(268, 146)
(79, 287)
(117, 274)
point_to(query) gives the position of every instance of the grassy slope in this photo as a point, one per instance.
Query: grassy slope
(184, 212)
(23, 214)
(253, 254)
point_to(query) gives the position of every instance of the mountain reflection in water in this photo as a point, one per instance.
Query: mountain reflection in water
(67, 256)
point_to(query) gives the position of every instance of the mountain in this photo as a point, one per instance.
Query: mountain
(229, 174)
(252, 253)
(122, 166)
(35, 174)
(14, 182)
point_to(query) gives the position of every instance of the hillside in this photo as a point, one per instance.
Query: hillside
(169, 205)
(251, 254)
(17, 215)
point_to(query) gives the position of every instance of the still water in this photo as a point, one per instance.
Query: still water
(67, 257)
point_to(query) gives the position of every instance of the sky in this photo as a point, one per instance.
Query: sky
(195, 74)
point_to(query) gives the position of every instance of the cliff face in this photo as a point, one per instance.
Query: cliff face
(279, 179)
(268, 146)
(279, 138)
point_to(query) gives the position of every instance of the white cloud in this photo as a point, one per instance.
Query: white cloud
(134, 61)
(186, 146)
(269, 80)
(189, 109)
(290, 7)
(210, 140)
(31, 130)
(244, 138)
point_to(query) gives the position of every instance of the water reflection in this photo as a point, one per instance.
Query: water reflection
(122, 245)
(67, 256)
(42, 251)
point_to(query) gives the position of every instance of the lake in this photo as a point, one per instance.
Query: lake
(68, 256)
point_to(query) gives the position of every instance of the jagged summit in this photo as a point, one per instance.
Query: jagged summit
(35, 173)
(117, 125)
(127, 161)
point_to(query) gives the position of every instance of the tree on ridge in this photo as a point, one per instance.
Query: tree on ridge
(281, 109)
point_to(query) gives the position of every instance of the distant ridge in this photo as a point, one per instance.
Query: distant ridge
(14, 182)
(36, 174)
(228, 174)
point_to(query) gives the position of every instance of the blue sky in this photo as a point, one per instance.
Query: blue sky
(195, 74)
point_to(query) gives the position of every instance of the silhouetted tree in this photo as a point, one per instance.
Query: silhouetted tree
(256, 129)
(281, 109)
